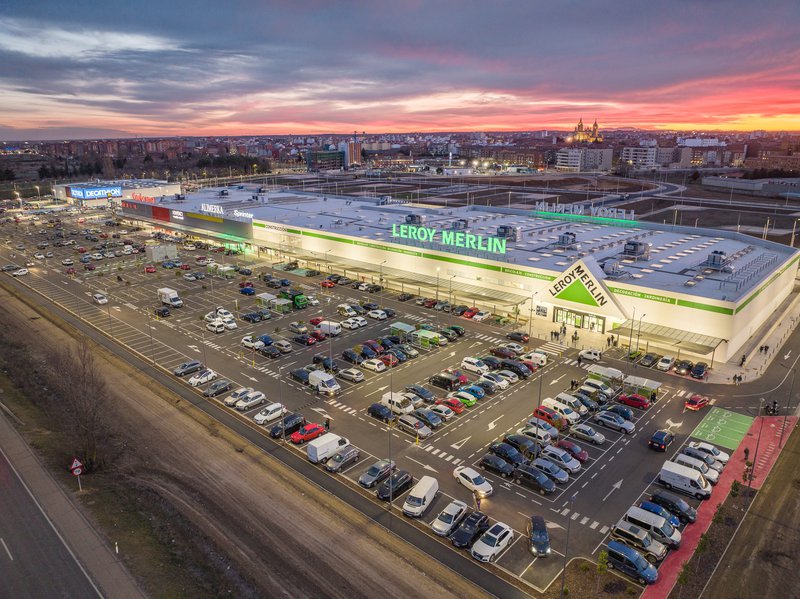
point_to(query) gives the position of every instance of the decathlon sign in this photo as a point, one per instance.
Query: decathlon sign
(93, 193)
(495, 245)
(212, 209)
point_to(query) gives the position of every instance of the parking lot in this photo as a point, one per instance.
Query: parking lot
(615, 474)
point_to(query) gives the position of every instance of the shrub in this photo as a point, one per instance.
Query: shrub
(736, 488)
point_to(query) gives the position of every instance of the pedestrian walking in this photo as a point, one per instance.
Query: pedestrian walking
(580, 360)
(766, 349)
(327, 424)
(477, 501)
(743, 360)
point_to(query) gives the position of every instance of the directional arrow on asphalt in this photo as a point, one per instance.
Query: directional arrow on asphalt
(786, 356)
(460, 444)
(492, 423)
(554, 381)
(670, 424)
(615, 487)
(451, 354)
(425, 466)
(378, 390)
(247, 376)
(322, 412)
(194, 348)
(117, 308)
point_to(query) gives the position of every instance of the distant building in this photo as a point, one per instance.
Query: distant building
(324, 160)
(584, 159)
(639, 157)
(352, 152)
(583, 135)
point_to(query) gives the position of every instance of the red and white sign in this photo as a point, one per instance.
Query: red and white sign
(77, 471)
(76, 467)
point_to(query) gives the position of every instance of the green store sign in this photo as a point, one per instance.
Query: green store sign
(494, 245)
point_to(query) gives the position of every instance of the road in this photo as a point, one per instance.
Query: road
(34, 561)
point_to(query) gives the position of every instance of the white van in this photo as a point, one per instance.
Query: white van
(658, 527)
(539, 359)
(684, 479)
(572, 402)
(421, 497)
(324, 382)
(475, 365)
(345, 310)
(330, 328)
(397, 403)
(568, 413)
(537, 433)
(709, 474)
(321, 448)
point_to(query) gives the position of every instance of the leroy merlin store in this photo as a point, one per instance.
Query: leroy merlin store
(689, 291)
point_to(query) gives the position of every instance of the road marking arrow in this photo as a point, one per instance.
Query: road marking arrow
(378, 390)
(425, 466)
(554, 381)
(322, 412)
(492, 423)
(117, 308)
(670, 424)
(789, 353)
(194, 348)
(615, 487)
(460, 444)
(247, 376)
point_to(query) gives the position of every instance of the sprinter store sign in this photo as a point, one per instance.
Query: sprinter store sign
(495, 245)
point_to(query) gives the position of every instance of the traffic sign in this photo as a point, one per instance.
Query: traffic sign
(77, 471)
(76, 465)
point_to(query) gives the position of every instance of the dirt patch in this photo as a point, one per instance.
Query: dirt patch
(281, 536)
(582, 580)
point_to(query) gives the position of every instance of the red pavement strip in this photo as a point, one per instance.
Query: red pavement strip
(767, 456)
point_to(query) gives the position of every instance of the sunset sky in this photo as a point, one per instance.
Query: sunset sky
(109, 69)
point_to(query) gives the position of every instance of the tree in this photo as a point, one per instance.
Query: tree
(602, 568)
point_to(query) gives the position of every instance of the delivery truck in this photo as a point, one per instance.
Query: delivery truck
(321, 448)
(170, 297)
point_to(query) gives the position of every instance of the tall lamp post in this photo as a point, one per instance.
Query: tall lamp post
(380, 276)
(566, 548)
(758, 442)
(630, 338)
(437, 283)
(639, 331)
(788, 407)
(530, 316)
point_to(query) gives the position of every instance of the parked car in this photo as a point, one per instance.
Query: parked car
(508, 452)
(374, 364)
(573, 449)
(291, 423)
(397, 484)
(649, 360)
(492, 543)
(349, 454)
(623, 411)
(217, 387)
(711, 450)
(496, 464)
(699, 371)
(352, 375)
(188, 368)
(449, 518)
(269, 413)
(251, 400)
(470, 528)
(665, 363)
(634, 400)
(683, 367)
(307, 432)
(660, 440)
(614, 421)
(376, 473)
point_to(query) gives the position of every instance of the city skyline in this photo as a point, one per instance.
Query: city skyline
(197, 69)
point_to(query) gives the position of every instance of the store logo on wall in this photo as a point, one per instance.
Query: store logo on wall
(212, 209)
(177, 215)
(461, 239)
(140, 198)
(93, 193)
(578, 285)
(240, 214)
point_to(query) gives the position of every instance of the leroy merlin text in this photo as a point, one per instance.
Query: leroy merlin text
(496, 245)
(579, 273)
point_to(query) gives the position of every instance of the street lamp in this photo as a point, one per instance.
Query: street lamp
(758, 442)
(566, 547)
(437, 283)
(639, 332)
(630, 338)
(530, 316)
(380, 277)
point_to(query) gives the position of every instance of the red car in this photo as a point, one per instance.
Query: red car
(502, 352)
(470, 312)
(70, 271)
(430, 303)
(573, 449)
(103, 235)
(185, 267)
(318, 335)
(81, 250)
(244, 284)
(531, 366)
(452, 403)
(307, 433)
(696, 403)
(551, 417)
(390, 360)
(327, 283)
(200, 258)
(150, 268)
(462, 378)
(635, 401)
(89, 266)
(315, 321)
(218, 250)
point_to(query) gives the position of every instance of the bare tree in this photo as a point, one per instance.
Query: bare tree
(83, 397)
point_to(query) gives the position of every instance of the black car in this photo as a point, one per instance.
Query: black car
(675, 504)
(335, 278)
(488, 387)
(274, 284)
(401, 357)
(470, 529)
(351, 357)
(358, 309)
(381, 412)
(389, 312)
(430, 418)
(649, 360)
(661, 440)
(188, 368)
(251, 317)
(386, 342)
(623, 411)
(395, 485)
(304, 339)
(516, 367)
(492, 362)
(426, 395)
(245, 271)
(394, 339)
(683, 367)
(367, 353)
(518, 336)
(217, 387)
(535, 479)
(369, 306)
(404, 297)
(374, 288)
(448, 334)
(459, 310)
(523, 444)
(457, 329)
(162, 312)
(587, 401)
(300, 375)
(538, 537)
(344, 281)
(270, 352)
(508, 452)
(700, 370)
(496, 464)
(264, 314)
(291, 423)
(328, 364)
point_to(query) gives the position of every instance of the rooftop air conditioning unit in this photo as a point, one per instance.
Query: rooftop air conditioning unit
(459, 224)
(638, 250)
(415, 219)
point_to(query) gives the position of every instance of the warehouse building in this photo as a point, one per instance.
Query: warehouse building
(688, 290)
(102, 194)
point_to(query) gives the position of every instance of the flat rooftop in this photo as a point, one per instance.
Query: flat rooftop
(124, 183)
(677, 257)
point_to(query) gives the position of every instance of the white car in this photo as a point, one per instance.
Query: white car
(587, 433)
(494, 378)
(67, 262)
(377, 314)
(665, 363)
(251, 400)
(270, 413)
(201, 378)
(189, 277)
(593, 355)
(349, 323)
(442, 411)
(223, 313)
(711, 450)
(492, 542)
(481, 316)
(363, 286)
(234, 397)
(39, 256)
(97, 256)
(312, 300)
(473, 481)
(20, 272)
(99, 298)
(508, 375)
(216, 326)
(211, 317)
(251, 342)
(352, 375)
(229, 323)
(515, 347)
(361, 321)
(374, 364)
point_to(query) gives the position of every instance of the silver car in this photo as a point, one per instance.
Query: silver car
(551, 470)
(341, 459)
(352, 375)
(415, 426)
(587, 433)
(614, 421)
(234, 397)
(449, 518)
(561, 458)
(376, 473)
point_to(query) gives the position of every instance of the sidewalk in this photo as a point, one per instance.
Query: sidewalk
(93, 553)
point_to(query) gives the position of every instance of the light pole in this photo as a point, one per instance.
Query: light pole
(437, 283)
(758, 442)
(639, 332)
(530, 316)
(566, 548)
(380, 277)
(630, 338)
(788, 407)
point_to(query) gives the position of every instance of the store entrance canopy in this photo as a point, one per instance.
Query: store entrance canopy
(694, 343)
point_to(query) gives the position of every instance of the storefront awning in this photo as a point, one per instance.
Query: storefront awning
(688, 341)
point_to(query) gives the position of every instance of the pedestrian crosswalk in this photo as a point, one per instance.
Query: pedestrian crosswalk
(584, 520)
(573, 362)
(552, 348)
(343, 407)
(447, 457)
(489, 338)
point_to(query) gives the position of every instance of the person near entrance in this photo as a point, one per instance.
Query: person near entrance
(580, 360)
